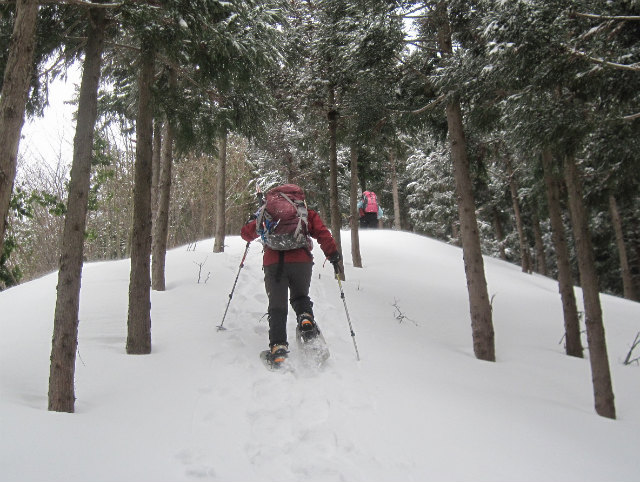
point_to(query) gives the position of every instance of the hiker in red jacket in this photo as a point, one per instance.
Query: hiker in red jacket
(286, 227)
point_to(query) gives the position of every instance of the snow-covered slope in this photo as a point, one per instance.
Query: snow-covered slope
(418, 406)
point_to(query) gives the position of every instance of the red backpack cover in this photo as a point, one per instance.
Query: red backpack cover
(282, 221)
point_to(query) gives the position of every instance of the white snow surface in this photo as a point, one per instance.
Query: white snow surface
(418, 406)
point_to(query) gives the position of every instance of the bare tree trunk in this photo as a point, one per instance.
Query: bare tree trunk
(524, 244)
(635, 247)
(480, 307)
(353, 218)
(292, 170)
(161, 225)
(319, 196)
(541, 258)
(155, 166)
(397, 222)
(13, 99)
(497, 225)
(334, 206)
(204, 228)
(616, 220)
(323, 211)
(218, 246)
(600, 374)
(139, 315)
(162, 149)
(573, 345)
(362, 177)
(65, 324)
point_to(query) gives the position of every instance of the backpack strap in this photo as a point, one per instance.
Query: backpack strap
(303, 216)
(261, 219)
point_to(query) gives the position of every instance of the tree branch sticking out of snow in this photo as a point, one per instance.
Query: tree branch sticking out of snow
(200, 265)
(399, 315)
(564, 336)
(636, 342)
(582, 332)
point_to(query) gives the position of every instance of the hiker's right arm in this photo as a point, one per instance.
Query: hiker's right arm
(318, 230)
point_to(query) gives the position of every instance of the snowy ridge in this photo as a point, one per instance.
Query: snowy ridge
(418, 406)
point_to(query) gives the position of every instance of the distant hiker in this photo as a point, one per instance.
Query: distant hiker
(285, 227)
(369, 210)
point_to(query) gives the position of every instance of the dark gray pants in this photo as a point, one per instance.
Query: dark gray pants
(293, 280)
(369, 220)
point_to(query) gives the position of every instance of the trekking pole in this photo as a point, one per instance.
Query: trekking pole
(260, 198)
(244, 256)
(344, 301)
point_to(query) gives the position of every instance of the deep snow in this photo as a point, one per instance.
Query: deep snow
(417, 407)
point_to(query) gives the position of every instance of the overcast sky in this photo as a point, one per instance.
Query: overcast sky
(50, 138)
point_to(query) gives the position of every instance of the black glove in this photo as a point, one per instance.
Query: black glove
(335, 259)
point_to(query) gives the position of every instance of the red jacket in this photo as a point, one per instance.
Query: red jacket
(317, 230)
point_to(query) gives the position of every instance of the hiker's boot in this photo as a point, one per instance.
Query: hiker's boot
(307, 327)
(278, 355)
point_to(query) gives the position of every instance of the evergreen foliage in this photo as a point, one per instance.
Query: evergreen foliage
(530, 75)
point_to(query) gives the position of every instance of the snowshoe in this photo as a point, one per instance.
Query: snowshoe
(307, 329)
(312, 345)
(275, 358)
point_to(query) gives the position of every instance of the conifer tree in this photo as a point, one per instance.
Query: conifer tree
(139, 313)
(218, 245)
(215, 49)
(573, 343)
(15, 90)
(161, 219)
(65, 329)
(480, 307)
(550, 91)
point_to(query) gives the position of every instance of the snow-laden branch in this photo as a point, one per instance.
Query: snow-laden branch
(419, 42)
(410, 13)
(213, 95)
(430, 105)
(607, 17)
(81, 3)
(412, 69)
(632, 67)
